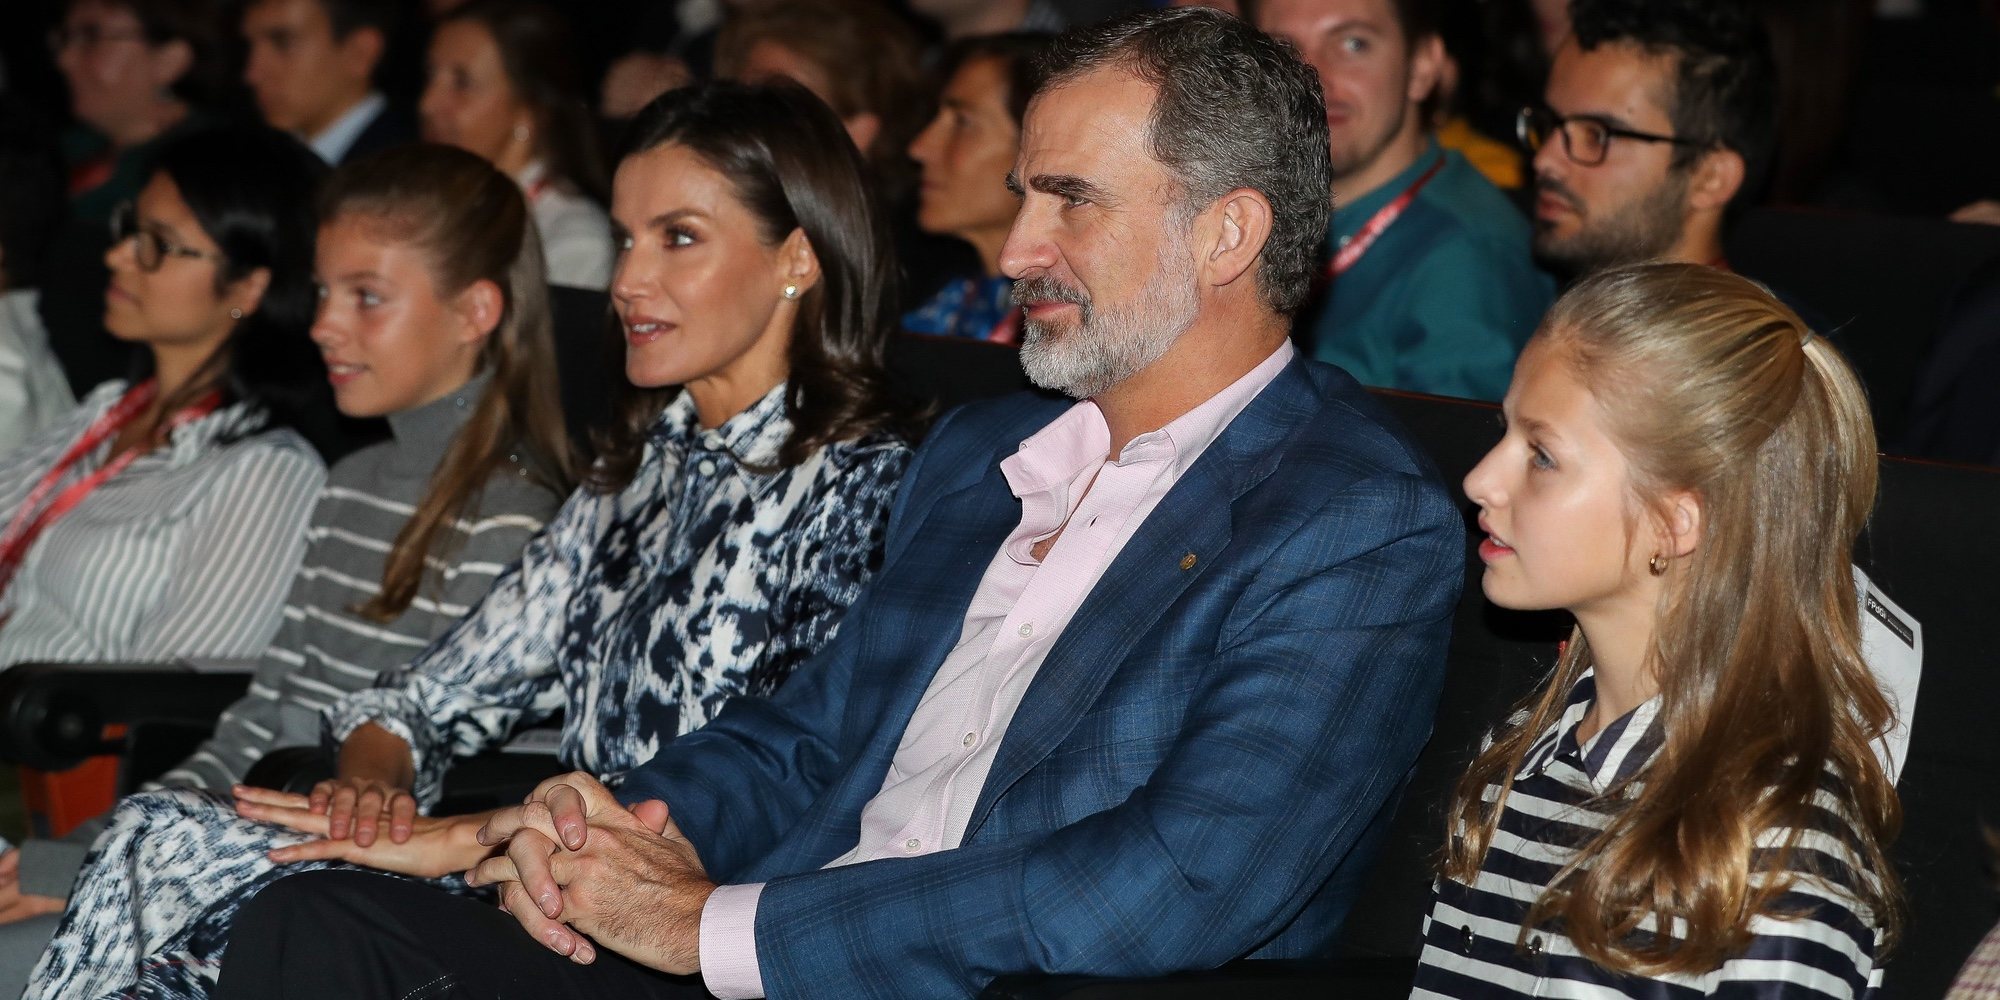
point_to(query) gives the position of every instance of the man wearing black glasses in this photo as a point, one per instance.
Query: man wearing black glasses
(1658, 116)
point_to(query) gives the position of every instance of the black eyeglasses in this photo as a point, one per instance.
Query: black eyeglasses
(1585, 138)
(152, 249)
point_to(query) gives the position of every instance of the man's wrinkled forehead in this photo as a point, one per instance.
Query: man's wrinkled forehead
(1096, 124)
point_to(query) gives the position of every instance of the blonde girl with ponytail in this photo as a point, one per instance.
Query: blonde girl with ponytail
(1693, 805)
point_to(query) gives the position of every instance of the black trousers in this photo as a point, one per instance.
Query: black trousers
(355, 935)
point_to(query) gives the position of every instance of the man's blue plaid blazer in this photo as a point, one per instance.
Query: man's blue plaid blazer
(1198, 772)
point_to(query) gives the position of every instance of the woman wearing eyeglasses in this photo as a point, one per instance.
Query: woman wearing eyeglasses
(164, 517)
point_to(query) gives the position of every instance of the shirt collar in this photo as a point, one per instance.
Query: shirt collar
(1616, 753)
(1058, 454)
(753, 436)
(1350, 217)
(333, 142)
(185, 442)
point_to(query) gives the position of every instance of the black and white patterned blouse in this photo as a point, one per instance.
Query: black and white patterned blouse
(638, 614)
(1474, 948)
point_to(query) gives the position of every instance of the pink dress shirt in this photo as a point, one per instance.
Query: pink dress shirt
(1066, 482)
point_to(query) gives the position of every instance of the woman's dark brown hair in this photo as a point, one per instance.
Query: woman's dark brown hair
(791, 165)
(472, 225)
(536, 53)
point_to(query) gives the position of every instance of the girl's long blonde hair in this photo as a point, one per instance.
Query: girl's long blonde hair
(1711, 385)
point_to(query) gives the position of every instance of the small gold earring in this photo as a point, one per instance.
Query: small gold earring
(791, 291)
(1657, 564)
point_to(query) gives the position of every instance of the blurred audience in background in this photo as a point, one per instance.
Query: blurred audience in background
(1656, 120)
(311, 65)
(966, 154)
(1428, 284)
(502, 84)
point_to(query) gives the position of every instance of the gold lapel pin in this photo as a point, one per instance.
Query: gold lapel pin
(1187, 561)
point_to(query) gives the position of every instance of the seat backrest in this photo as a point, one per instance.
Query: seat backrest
(1495, 659)
(943, 372)
(1932, 548)
(1881, 284)
(590, 360)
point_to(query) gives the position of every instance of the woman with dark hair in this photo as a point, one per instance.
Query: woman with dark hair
(863, 61)
(164, 518)
(735, 515)
(434, 316)
(966, 153)
(503, 85)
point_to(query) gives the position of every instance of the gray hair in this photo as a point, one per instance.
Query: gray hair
(1236, 109)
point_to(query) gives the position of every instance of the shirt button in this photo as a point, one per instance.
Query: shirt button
(707, 467)
(1535, 947)
(970, 739)
(1027, 629)
(913, 845)
(1465, 940)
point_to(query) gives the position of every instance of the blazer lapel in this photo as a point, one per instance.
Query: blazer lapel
(930, 588)
(1147, 577)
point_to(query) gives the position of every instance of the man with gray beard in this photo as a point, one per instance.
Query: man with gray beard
(1133, 687)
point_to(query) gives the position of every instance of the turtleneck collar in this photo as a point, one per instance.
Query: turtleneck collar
(420, 436)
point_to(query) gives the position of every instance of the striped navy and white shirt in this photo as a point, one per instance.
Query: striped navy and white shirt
(1474, 947)
(188, 552)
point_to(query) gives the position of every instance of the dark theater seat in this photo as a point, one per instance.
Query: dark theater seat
(1880, 284)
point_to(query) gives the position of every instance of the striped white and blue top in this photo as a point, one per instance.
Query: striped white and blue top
(1823, 945)
(188, 552)
(325, 649)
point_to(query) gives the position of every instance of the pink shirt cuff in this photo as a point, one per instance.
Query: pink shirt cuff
(729, 942)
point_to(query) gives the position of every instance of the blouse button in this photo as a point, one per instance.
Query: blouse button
(1465, 939)
(1535, 947)
(707, 467)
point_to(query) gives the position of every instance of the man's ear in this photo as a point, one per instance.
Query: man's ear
(1236, 238)
(171, 61)
(1427, 68)
(361, 50)
(1718, 175)
(480, 308)
(863, 128)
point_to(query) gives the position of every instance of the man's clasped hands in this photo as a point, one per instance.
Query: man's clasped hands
(577, 868)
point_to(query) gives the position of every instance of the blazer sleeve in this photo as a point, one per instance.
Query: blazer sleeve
(1302, 729)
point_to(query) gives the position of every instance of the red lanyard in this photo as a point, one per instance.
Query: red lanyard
(32, 518)
(1372, 230)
